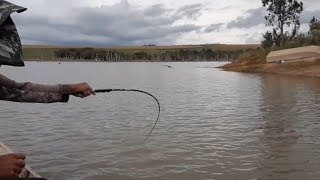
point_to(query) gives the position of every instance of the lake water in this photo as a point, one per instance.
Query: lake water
(213, 125)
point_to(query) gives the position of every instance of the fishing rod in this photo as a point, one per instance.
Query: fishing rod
(135, 90)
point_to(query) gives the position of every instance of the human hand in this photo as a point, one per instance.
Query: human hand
(82, 90)
(11, 165)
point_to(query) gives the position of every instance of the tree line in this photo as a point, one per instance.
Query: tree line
(284, 18)
(172, 55)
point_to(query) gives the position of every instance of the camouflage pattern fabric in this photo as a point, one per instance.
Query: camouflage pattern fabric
(11, 90)
(17, 95)
(10, 44)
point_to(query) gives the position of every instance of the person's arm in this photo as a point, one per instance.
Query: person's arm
(17, 95)
(28, 86)
(11, 90)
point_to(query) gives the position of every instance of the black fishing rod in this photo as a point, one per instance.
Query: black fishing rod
(135, 90)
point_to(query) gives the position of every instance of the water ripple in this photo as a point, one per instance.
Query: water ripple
(214, 124)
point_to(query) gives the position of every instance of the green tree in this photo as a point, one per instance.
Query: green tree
(314, 32)
(268, 41)
(314, 25)
(283, 13)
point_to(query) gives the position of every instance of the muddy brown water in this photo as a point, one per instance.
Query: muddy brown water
(214, 124)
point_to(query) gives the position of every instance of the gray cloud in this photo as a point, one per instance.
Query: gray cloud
(306, 16)
(225, 8)
(253, 38)
(192, 11)
(254, 17)
(213, 27)
(155, 10)
(118, 24)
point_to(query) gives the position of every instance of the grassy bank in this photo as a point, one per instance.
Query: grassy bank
(307, 69)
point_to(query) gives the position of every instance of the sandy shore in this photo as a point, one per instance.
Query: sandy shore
(307, 69)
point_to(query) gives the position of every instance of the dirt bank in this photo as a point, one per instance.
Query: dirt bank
(308, 69)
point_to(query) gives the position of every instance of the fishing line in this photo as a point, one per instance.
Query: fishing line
(135, 90)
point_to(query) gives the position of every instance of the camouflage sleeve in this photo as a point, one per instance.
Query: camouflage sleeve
(11, 90)
(17, 95)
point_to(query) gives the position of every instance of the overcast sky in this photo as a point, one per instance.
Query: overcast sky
(137, 22)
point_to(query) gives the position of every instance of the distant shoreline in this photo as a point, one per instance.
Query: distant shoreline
(142, 47)
(176, 53)
(92, 61)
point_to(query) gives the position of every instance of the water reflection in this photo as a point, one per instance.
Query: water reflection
(285, 102)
